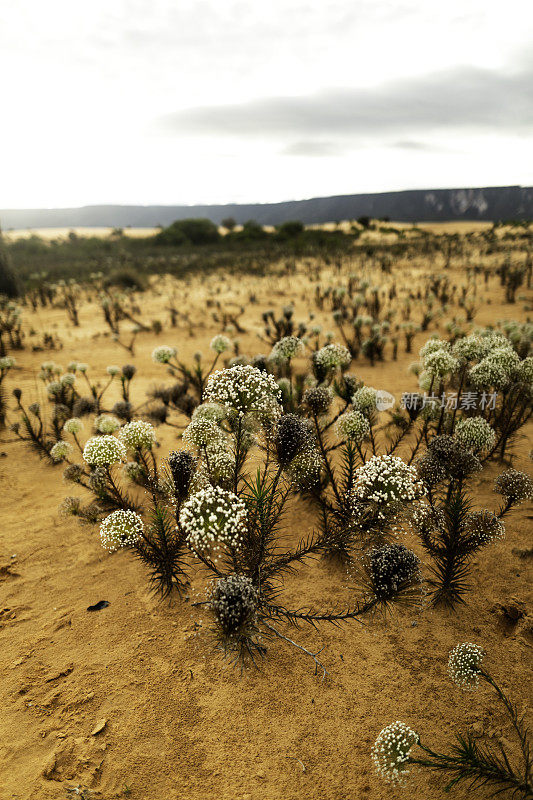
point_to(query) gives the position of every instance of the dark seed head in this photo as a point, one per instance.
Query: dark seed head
(292, 436)
(182, 466)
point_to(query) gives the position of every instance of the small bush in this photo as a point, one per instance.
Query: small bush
(126, 278)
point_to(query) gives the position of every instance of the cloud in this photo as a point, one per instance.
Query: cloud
(461, 98)
(409, 144)
(312, 149)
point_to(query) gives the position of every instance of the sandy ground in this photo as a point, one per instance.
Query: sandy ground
(179, 723)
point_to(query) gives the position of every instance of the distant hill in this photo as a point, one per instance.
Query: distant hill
(418, 205)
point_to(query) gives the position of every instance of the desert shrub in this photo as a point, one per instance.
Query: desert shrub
(290, 229)
(193, 231)
(125, 278)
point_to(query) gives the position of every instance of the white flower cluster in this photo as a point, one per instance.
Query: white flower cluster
(469, 348)
(387, 479)
(73, 425)
(68, 379)
(499, 365)
(220, 343)
(202, 431)
(137, 435)
(163, 354)
(209, 411)
(439, 363)
(391, 751)
(475, 434)
(54, 388)
(212, 518)
(304, 469)
(244, 389)
(333, 356)
(6, 362)
(101, 451)
(364, 399)
(122, 528)
(485, 526)
(106, 423)
(287, 348)
(60, 451)
(464, 664)
(514, 485)
(352, 425)
(112, 370)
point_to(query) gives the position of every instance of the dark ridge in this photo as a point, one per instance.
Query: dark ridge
(417, 205)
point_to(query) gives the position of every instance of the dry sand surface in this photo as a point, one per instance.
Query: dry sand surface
(179, 723)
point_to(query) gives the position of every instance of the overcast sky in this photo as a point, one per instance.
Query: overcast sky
(188, 101)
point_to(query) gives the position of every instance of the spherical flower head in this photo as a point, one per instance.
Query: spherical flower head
(128, 371)
(82, 367)
(387, 480)
(475, 434)
(233, 602)
(244, 389)
(182, 467)
(469, 348)
(440, 363)
(364, 400)
(137, 435)
(221, 460)
(163, 354)
(452, 457)
(220, 343)
(7, 362)
(60, 451)
(54, 388)
(489, 373)
(287, 348)
(213, 518)
(68, 379)
(484, 526)
(209, 411)
(73, 473)
(122, 528)
(123, 409)
(318, 399)
(112, 370)
(133, 471)
(202, 431)
(524, 371)
(391, 751)
(433, 346)
(73, 425)
(333, 356)
(35, 409)
(514, 485)
(102, 451)
(352, 425)
(292, 435)
(392, 567)
(304, 469)
(106, 423)
(464, 664)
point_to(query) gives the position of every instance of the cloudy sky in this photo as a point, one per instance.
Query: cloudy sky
(187, 101)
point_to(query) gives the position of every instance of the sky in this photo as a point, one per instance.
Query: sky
(217, 101)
